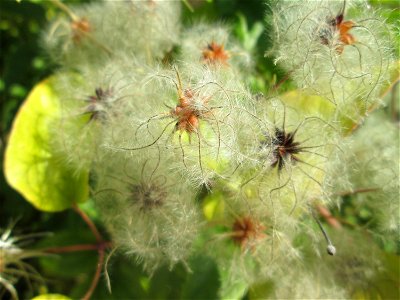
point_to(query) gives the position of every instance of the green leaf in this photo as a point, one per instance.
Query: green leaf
(51, 297)
(126, 282)
(32, 165)
(248, 37)
(261, 290)
(203, 282)
(309, 104)
(72, 264)
(213, 206)
(166, 283)
(235, 290)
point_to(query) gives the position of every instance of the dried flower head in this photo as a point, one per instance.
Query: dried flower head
(80, 27)
(284, 148)
(215, 53)
(338, 29)
(213, 45)
(246, 231)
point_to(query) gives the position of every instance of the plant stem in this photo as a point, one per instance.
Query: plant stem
(81, 247)
(96, 277)
(65, 9)
(100, 249)
(188, 5)
(89, 222)
(357, 191)
(326, 214)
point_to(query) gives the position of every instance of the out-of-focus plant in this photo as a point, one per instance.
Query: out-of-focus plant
(13, 266)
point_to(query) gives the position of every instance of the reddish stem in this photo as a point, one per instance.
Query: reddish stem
(326, 214)
(277, 85)
(89, 222)
(96, 277)
(82, 247)
(100, 248)
(357, 191)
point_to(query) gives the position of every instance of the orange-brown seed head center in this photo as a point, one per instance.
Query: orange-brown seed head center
(215, 53)
(79, 28)
(246, 230)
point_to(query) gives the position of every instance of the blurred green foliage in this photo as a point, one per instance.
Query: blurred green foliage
(23, 64)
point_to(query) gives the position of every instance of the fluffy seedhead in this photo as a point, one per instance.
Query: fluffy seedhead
(190, 109)
(212, 45)
(245, 232)
(92, 34)
(98, 104)
(329, 50)
(215, 54)
(284, 148)
(149, 215)
(89, 102)
(247, 245)
(371, 160)
(289, 158)
(79, 28)
(199, 127)
(337, 31)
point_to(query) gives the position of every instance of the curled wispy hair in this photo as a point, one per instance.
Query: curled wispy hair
(331, 49)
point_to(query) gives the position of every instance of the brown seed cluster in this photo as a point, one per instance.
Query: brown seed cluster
(187, 112)
(215, 53)
(284, 147)
(246, 231)
(338, 26)
(79, 28)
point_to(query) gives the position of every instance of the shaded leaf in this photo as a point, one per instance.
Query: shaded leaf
(71, 264)
(126, 281)
(309, 104)
(203, 282)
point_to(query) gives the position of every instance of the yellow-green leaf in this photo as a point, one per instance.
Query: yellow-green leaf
(309, 104)
(51, 297)
(33, 166)
(213, 206)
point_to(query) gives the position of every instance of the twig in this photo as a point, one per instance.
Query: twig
(65, 9)
(330, 247)
(283, 80)
(357, 191)
(188, 5)
(101, 251)
(326, 214)
(81, 247)
(89, 222)
(108, 281)
(96, 277)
